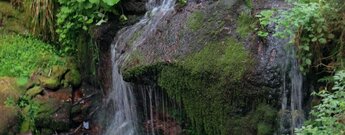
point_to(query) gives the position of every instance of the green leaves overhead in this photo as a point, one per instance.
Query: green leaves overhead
(107, 2)
(111, 2)
(313, 26)
(327, 117)
(76, 18)
(94, 1)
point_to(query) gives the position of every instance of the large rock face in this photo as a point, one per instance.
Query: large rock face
(208, 56)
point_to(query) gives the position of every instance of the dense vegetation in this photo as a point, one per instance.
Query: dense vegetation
(38, 52)
(41, 39)
(317, 29)
(22, 56)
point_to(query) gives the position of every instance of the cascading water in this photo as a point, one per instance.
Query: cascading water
(291, 113)
(292, 109)
(125, 121)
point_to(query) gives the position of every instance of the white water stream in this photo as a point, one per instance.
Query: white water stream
(125, 121)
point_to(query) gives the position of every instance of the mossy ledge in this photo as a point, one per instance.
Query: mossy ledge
(211, 84)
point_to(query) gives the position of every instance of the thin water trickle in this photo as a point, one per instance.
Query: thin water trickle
(125, 121)
(291, 113)
(292, 107)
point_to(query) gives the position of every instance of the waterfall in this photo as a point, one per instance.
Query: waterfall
(292, 97)
(291, 113)
(125, 119)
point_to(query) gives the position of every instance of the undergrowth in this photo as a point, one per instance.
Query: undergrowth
(20, 56)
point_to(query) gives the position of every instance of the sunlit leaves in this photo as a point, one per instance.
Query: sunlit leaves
(76, 17)
(327, 116)
(111, 2)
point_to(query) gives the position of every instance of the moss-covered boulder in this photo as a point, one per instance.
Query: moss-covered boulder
(50, 83)
(73, 78)
(34, 91)
(213, 63)
(53, 78)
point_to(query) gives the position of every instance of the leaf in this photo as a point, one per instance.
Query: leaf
(111, 2)
(101, 22)
(314, 39)
(322, 40)
(94, 1)
(308, 61)
(331, 36)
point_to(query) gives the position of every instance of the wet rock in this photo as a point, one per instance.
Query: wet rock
(134, 6)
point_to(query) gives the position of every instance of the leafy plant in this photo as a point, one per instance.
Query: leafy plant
(182, 2)
(28, 114)
(20, 56)
(311, 25)
(76, 17)
(328, 118)
(264, 18)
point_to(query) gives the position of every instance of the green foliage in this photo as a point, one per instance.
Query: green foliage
(316, 28)
(76, 17)
(245, 24)
(182, 2)
(264, 18)
(20, 56)
(328, 118)
(29, 112)
(221, 57)
(261, 120)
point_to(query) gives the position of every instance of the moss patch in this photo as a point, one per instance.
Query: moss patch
(7, 10)
(203, 82)
(196, 20)
(245, 24)
(227, 58)
(12, 20)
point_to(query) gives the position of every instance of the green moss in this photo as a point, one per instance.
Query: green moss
(34, 91)
(227, 58)
(73, 77)
(260, 121)
(136, 59)
(245, 24)
(50, 83)
(147, 72)
(249, 3)
(7, 10)
(195, 20)
(203, 81)
(264, 129)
